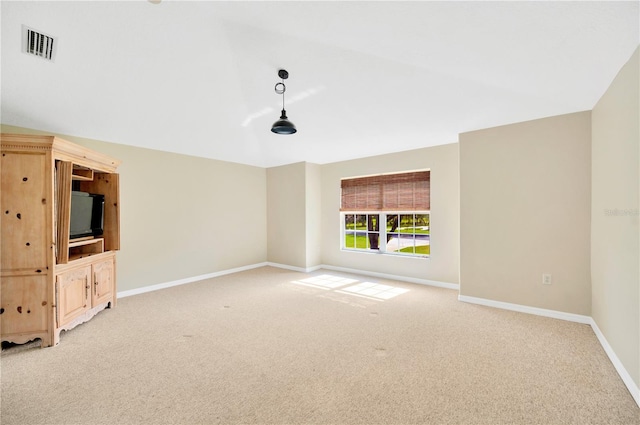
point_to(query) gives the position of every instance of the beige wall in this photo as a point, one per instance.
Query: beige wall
(286, 215)
(525, 210)
(313, 218)
(293, 215)
(615, 232)
(442, 265)
(183, 216)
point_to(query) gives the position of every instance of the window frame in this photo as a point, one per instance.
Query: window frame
(382, 232)
(383, 195)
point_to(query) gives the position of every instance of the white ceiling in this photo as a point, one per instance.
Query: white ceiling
(366, 78)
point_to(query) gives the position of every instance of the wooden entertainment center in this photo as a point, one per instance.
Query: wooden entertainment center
(50, 282)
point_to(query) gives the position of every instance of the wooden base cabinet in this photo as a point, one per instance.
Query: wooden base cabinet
(84, 288)
(48, 281)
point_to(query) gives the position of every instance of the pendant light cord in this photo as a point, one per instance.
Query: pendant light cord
(283, 125)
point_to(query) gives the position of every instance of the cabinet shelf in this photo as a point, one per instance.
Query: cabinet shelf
(85, 247)
(82, 174)
(86, 241)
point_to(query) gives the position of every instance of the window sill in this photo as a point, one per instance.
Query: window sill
(390, 254)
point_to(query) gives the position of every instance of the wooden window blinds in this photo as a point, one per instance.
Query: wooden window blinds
(387, 192)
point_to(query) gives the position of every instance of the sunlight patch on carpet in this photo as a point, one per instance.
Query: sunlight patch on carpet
(325, 281)
(348, 286)
(375, 290)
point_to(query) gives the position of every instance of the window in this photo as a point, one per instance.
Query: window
(387, 213)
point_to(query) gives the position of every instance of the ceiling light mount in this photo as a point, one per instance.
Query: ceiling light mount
(283, 125)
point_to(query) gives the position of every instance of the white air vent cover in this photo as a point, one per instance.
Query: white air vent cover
(38, 44)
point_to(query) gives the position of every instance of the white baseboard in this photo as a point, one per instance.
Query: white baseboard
(578, 318)
(178, 282)
(587, 320)
(159, 286)
(626, 378)
(294, 268)
(393, 277)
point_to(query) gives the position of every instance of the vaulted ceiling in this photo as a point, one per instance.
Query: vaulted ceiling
(366, 78)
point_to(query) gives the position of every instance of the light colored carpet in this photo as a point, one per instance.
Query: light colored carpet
(279, 347)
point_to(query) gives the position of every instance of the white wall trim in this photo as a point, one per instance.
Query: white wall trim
(626, 378)
(178, 282)
(587, 320)
(157, 287)
(293, 268)
(578, 318)
(393, 277)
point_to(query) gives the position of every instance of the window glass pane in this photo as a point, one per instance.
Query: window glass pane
(392, 222)
(349, 222)
(405, 244)
(391, 228)
(423, 237)
(423, 249)
(422, 223)
(406, 223)
(361, 222)
(373, 226)
(349, 240)
(373, 222)
(362, 242)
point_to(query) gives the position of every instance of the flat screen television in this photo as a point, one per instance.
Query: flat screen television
(87, 214)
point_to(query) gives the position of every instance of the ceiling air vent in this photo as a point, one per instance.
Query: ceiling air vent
(38, 44)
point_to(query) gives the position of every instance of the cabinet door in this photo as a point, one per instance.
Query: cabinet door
(72, 293)
(24, 308)
(107, 184)
(103, 282)
(27, 211)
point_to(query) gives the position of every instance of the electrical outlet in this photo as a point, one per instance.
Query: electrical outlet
(546, 278)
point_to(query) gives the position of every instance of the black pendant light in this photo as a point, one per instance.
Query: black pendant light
(283, 125)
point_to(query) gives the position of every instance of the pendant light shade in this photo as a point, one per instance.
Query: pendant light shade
(283, 125)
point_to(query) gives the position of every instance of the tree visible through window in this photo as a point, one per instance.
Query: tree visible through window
(400, 201)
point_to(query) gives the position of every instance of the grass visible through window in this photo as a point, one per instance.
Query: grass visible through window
(420, 249)
(356, 241)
